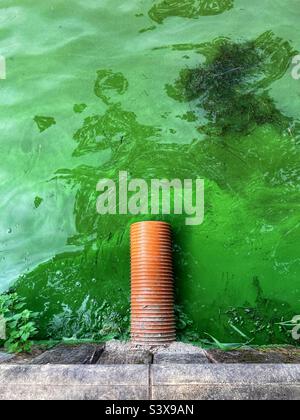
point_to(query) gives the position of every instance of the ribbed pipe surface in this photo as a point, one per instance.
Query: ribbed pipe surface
(152, 294)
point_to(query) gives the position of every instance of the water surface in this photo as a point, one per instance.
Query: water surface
(94, 88)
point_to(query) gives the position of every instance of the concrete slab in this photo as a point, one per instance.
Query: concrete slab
(227, 393)
(87, 393)
(138, 357)
(64, 354)
(180, 353)
(225, 382)
(157, 382)
(83, 382)
(180, 359)
(278, 355)
(5, 357)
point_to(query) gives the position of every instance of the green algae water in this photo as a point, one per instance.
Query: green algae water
(161, 89)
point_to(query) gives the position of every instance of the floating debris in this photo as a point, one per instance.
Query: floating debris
(44, 123)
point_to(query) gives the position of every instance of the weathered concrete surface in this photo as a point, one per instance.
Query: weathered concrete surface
(118, 352)
(228, 393)
(78, 382)
(180, 353)
(180, 359)
(225, 382)
(288, 355)
(138, 357)
(119, 371)
(70, 355)
(136, 382)
(5, 357)
(24, 358)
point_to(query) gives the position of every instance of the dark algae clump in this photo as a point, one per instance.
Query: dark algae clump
(231, 103)
(231, 87)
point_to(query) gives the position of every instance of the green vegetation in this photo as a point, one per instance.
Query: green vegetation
(229, 346)
(94, 323)
(99, 323)
(19, 321)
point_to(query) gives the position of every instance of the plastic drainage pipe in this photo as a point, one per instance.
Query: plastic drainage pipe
(152, 295)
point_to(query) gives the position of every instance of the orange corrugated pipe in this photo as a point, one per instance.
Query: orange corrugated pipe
(152, 285)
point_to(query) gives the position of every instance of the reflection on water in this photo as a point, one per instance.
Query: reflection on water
(188, 8)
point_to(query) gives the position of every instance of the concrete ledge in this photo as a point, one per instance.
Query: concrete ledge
(72, 393)
(5, 357)
(226, 382)
(142, 382)
(83, 382)
(84, 354)
(180, 359)
(227, 392)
